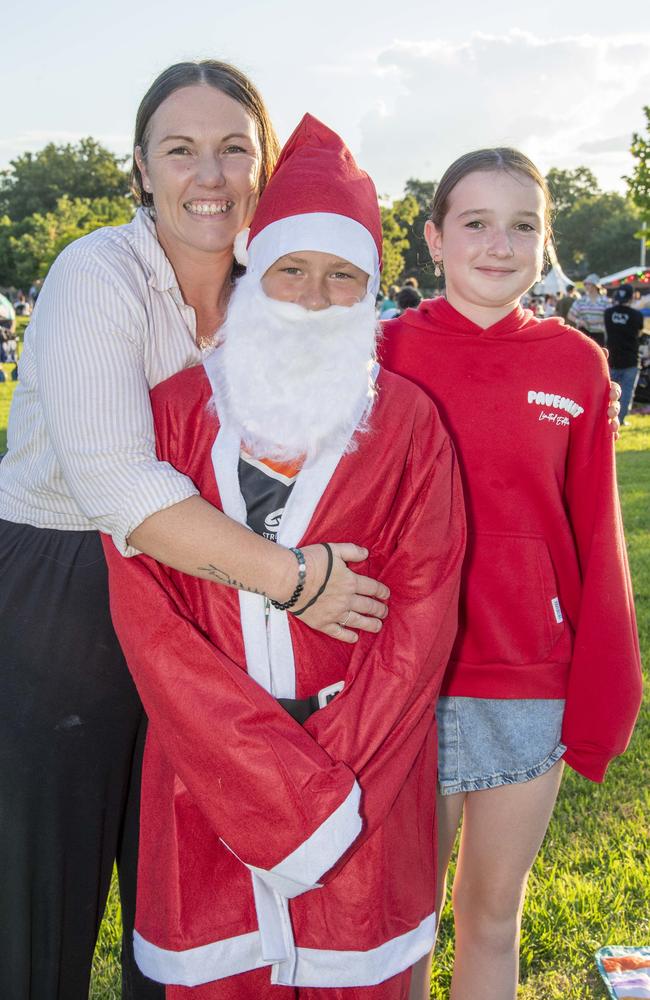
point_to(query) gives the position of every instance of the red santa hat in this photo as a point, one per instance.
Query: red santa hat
(316, 199)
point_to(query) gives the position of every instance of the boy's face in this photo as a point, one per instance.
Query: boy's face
(315, 280)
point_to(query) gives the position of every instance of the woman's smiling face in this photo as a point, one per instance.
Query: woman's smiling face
(491, 242)
(202, 165)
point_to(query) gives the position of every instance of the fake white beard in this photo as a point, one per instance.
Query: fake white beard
(293, 382)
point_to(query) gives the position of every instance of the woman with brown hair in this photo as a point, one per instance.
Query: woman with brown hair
(121, 310)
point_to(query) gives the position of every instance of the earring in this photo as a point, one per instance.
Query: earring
(439, 268)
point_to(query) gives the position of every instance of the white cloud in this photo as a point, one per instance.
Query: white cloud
(609, 144)
(565, 101)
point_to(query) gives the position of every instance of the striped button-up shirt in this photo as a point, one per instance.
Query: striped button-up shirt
(589, 314)
(109, 324)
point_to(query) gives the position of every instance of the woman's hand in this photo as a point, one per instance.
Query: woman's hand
(194, 537)
(349, 597)
(614, 408)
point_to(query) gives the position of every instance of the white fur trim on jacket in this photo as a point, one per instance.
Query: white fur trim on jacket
(300, 871)
(307, 966)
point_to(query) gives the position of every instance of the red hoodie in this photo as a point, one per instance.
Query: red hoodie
(546, 601)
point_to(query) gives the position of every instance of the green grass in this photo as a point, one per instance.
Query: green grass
(591, 882)
(106, 982)
(7, 388)
(6, 392)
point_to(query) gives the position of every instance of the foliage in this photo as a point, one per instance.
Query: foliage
(594, 230)
(597, 233)
(36, 181)
(7, 259)
(54, 196)
(639, 182)
(422, 191)
(569, 186)
(28, 248)
(417, 260)
(395, 221)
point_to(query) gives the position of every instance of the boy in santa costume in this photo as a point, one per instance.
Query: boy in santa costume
(288, 796)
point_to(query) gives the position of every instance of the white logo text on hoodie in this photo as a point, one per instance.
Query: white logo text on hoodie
(556, 402)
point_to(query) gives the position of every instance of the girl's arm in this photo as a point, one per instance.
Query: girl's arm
(604, 689)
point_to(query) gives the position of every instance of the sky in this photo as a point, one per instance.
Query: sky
(410, 85)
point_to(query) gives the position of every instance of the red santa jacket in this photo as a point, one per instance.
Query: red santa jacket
(547, 607)
(307, 849)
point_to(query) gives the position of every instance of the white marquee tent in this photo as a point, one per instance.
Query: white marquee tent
(555, 280)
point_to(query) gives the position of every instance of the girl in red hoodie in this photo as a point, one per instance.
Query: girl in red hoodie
(546, 663)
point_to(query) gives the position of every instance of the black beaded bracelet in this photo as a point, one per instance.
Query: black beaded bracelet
(328, 573)
(300, 586)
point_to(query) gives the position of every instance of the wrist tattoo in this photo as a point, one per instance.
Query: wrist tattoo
(221, 576)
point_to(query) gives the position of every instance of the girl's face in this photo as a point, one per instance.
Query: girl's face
(491, 243)
(202, 167)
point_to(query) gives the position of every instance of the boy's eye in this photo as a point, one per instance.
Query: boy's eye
(341, 274)
(290, 270)
(474, 224)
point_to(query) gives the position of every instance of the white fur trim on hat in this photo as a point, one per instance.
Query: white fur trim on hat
(322, 231)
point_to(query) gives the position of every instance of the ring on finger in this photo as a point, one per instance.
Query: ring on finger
(346, 619)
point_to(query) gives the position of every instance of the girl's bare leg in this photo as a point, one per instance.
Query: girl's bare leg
(502, 832)
(450, 810)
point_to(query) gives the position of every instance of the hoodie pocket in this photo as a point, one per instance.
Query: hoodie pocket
(510, 611)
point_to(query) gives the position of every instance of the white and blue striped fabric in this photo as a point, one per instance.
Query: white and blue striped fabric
(110, 323)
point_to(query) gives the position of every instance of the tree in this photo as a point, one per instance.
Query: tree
(28, 248)
(36, 181)
(395, 222)
(417, 260)
(594, 230)
(639, 182)
(423, 192)
(597, 233)
(7, 261)
(569, 186)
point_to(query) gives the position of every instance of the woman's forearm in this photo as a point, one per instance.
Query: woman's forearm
(196, 538)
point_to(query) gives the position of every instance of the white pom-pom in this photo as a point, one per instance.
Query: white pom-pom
(241, 250)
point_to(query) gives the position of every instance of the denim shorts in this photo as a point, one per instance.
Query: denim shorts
(486, 742)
